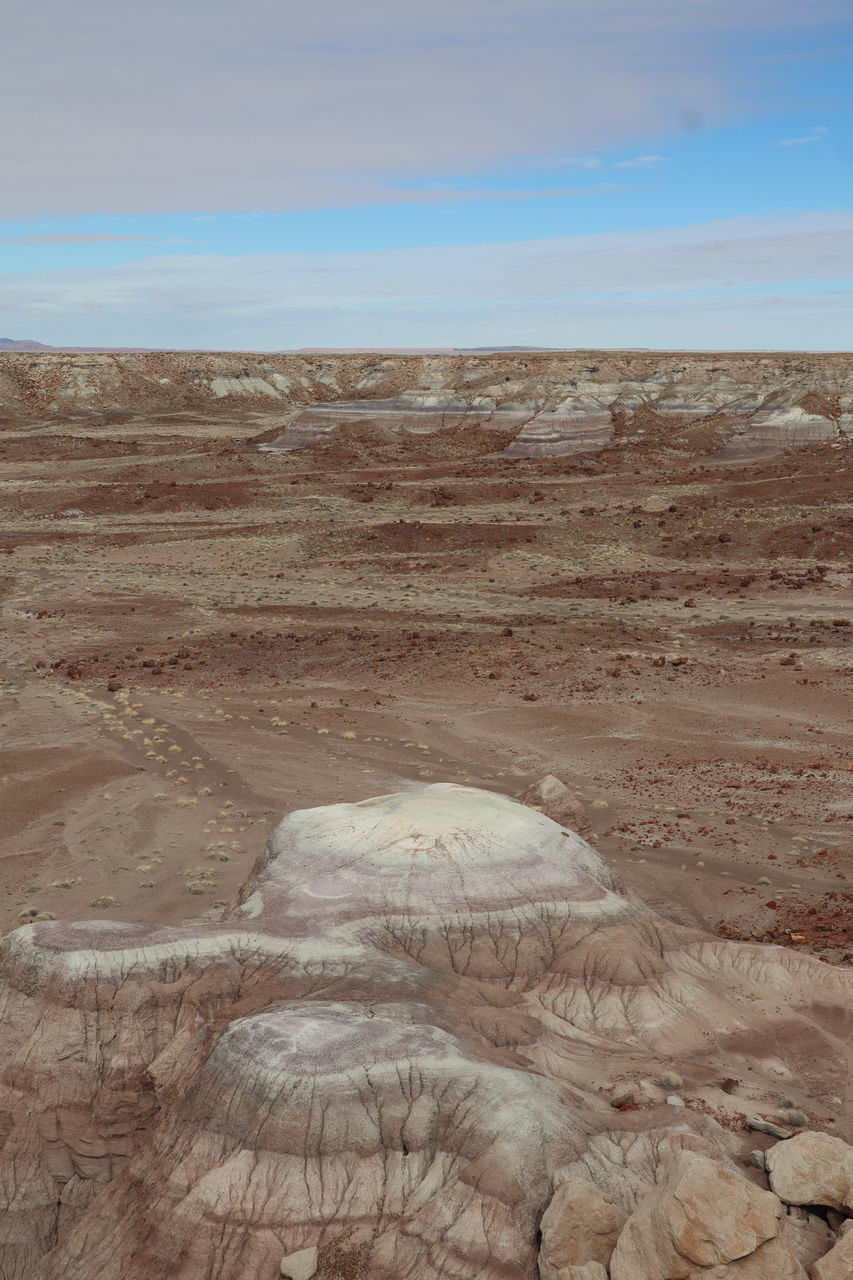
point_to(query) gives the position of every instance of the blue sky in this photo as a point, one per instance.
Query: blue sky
(466, 173)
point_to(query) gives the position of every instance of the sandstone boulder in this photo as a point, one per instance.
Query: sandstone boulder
(838, 1263)
(704, 1217)
(812, 1168)
(580, 1225)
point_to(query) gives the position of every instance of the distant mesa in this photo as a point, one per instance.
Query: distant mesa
(29, 344)
(420, 351)
(512, 403)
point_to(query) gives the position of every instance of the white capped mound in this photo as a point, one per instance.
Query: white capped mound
(405, 1036)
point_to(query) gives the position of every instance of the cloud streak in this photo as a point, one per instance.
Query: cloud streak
(636, 289)
(63, 237)
(209, 105)
(817, 134)
(640, 162)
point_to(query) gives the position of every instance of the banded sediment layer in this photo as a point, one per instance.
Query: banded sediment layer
(532, 404)
(430, 1016)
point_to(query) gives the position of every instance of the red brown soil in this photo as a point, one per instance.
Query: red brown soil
(198, 637)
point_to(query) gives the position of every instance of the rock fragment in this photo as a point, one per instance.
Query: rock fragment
(808, 1235)
(301, 1265)
(765, 1126)
(555, 799)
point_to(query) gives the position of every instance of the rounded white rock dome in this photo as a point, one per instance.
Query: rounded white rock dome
(443, 851)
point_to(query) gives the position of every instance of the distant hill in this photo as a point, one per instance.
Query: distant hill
(27, 344)
(23, 344)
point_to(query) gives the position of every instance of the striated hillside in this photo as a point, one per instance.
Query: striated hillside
(538, 402)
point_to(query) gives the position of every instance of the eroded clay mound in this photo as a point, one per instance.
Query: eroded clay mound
(392, 1051)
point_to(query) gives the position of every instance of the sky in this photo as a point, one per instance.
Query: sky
(397, 173)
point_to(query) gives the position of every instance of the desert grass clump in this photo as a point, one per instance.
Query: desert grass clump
(670, 1080)
(791, 1115)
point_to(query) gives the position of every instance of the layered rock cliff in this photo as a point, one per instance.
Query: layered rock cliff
(534, 403)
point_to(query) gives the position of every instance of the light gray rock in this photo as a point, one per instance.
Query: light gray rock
(764, 1126)
(812, 1168)
(301, 1265)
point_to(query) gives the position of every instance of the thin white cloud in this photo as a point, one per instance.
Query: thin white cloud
(818, 132)
(209, 105)
(62, 237)
(684, 286)
(455, 195)
(575, 162)
(640, 162)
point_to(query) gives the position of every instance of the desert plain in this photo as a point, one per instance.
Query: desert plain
(199, 634)
(236, 586)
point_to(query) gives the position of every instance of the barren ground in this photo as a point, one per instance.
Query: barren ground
(198, 637)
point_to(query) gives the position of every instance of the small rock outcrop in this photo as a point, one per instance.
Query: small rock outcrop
(705, 1220)
(554, 798)
(812, 1168)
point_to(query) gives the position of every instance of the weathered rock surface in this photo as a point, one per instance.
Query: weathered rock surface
(581, 1225)
(808, 1235)
(532, 404)
(704, 1218)
(390, 1051)
(812, 1168)
(837, 1264)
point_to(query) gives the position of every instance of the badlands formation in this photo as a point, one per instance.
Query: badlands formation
(546, 972)
(391, 1059)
